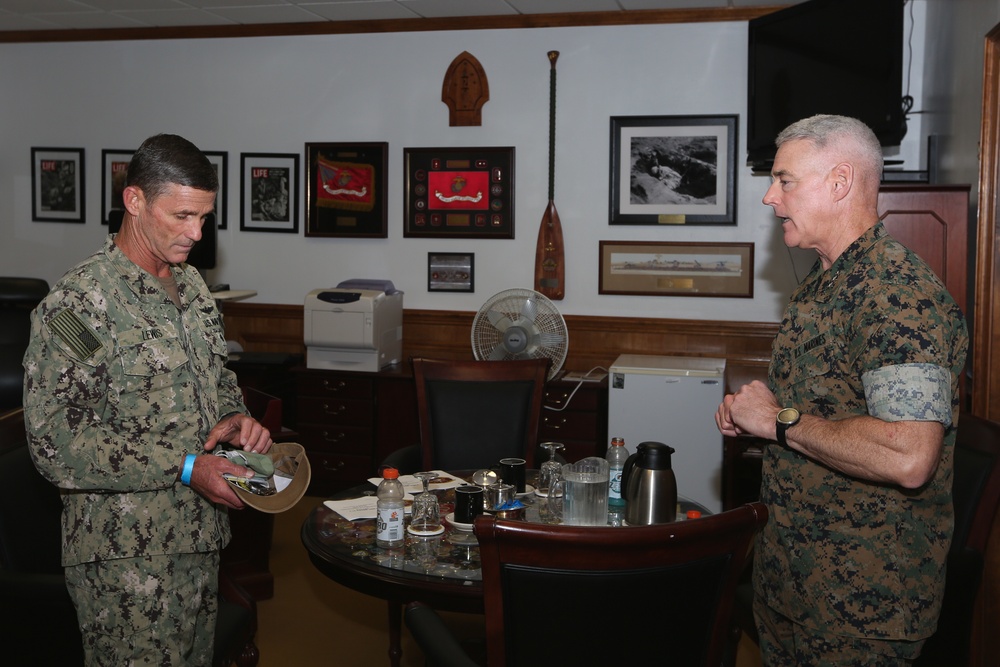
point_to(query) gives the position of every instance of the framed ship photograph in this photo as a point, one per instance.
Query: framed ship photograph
(459, 192)
(676, 269)
(346, 189)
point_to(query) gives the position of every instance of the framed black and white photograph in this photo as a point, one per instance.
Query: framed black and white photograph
(346, 189)
(269, 187)
(673, 170)
(57, 185)
(221, 161)
(451, 272)
(114, 165)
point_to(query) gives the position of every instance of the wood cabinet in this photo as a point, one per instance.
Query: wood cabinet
(932, 221)
(350, 421)
(575, 414)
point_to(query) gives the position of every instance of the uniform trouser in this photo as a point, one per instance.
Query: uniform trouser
(784, 643)
(152, 610)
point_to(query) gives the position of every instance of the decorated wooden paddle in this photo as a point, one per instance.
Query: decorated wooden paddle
(550, 267)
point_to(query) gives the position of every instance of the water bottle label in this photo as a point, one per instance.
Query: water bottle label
(615, 484)
(389, 525)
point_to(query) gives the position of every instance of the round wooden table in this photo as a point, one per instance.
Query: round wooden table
(442, 571)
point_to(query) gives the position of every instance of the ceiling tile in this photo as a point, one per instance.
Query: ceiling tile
(265, 14)
(447, 8)
(559, 6)
(172, 17)
(364, 10)
(685, 4)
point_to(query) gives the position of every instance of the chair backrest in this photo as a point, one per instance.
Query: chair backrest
(30, 506)
(473, 413)
(668, 588)
(976, 483)
(975, 497)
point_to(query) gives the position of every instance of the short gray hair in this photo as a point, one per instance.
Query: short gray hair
(824, 129)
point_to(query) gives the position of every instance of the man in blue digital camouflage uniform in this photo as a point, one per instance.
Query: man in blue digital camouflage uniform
(125, 391)
(863, 401)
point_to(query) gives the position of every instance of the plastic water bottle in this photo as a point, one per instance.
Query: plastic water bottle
(616, 456)
(389, 530)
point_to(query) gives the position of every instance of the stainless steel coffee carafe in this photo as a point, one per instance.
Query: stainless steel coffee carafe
(648, 485)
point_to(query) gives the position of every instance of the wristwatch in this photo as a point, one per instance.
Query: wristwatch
(787, 418)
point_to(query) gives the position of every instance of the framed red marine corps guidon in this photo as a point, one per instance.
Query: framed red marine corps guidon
(346, 189)
(459, 192)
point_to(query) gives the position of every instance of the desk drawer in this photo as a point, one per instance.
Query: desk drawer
(336, 410)
(332, 471)
(336, 438)
(343, 386)
(568, 425)
(557, 396)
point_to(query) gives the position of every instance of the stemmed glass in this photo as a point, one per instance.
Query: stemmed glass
(550, 470)
(426, 517)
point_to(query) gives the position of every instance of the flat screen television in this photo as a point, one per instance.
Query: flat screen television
(825, 56)
(202, 255)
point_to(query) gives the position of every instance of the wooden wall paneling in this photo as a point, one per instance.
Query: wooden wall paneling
(264, 327)
(593, 341)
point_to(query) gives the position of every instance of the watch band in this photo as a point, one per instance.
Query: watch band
(787, 418)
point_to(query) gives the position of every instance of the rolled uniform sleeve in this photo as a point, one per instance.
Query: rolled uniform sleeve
(909, 392)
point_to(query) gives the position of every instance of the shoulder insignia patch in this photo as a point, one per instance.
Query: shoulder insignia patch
(75, 333)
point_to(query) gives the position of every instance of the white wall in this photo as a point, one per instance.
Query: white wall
(275, 94)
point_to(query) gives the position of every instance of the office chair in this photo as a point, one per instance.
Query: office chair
(18, 297)
(975, 497)
(473, 413)
(41, 628)
(669, 587)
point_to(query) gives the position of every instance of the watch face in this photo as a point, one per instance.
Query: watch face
(788, 416)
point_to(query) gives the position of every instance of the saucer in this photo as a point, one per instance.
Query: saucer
(528, 488)
(425, 533)
(541, 494)
(464, 527)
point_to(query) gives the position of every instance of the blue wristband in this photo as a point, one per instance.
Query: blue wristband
(188, 468)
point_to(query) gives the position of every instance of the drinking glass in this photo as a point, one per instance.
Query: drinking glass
(426, 516)
(552, 511)
(550, 470)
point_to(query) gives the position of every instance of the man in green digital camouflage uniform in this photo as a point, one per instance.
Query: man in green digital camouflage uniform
(125, 386)
(850, 568)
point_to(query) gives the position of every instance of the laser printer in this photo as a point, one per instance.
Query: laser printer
(355, 326)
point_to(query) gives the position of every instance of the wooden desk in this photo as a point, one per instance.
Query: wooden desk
(345, 551)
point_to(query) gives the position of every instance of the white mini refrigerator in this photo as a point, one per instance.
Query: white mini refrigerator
(673, 400)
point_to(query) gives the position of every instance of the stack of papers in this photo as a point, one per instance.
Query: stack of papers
(364, 507)
(411, 484)
(356, 509)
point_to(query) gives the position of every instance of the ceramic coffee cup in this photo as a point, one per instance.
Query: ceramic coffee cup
(512, 472)
(468, 503)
